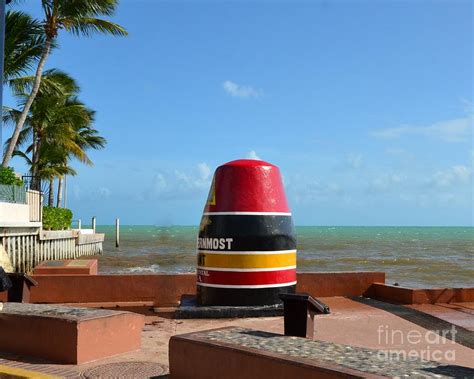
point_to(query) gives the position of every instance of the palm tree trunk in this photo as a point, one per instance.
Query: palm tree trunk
(51, 193)
(59, 197)
(35, 182)
(29, 102)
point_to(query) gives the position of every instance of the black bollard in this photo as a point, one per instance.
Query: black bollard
(20, 290)
(5, 282)
(299, 310)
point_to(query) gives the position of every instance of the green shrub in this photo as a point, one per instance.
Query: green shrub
(56, 218)
(8, 177)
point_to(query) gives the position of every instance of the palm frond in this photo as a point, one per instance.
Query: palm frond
(86, 26)
(10, 115)
(21, 154)
(24, 137)
(24, 43)
(89, 8)
(53, 83)
(60, 122)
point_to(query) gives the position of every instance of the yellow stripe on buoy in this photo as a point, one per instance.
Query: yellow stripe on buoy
(13, 372)
(250, 261)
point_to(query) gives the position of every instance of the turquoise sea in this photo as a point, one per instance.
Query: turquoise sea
(410, 256)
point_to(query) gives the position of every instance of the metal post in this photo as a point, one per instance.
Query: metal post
(117, 232)
(79, 224)
(93, 223)
(65, 191)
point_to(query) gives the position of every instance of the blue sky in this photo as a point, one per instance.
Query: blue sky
(366, 107)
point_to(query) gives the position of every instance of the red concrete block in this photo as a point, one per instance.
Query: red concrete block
(327, 284)
(67, 267)
(159, 290)
(165, 290)
(192, 357)
(396, 294)
(68, 335)
(404, 295)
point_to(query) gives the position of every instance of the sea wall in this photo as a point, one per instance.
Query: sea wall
(167, 289)
(404, 295)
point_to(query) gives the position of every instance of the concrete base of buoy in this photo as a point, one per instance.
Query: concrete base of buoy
(189, 309)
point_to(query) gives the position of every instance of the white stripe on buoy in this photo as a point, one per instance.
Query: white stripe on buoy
(246, 286)
(247, 269)
(246, 214)
(229, 252)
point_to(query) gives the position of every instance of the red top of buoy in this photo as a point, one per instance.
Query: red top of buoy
(247, 185)
(248, 162)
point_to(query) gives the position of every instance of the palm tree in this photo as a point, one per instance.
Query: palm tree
(86, 138)
(24, 41)
(79, 17)
(57, 129)
(55, 85)
(50, 167)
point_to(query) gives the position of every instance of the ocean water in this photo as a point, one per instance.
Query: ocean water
(410, 256)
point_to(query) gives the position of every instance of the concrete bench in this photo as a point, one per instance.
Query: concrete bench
(67, 267)
(236, 353)
(66, 334)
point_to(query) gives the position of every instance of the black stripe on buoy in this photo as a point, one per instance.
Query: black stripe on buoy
(245, 233)
(248, 233)
(241, 296)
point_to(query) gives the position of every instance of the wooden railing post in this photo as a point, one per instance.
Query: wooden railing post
(117, 232)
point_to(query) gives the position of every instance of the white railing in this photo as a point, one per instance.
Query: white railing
(27, 249)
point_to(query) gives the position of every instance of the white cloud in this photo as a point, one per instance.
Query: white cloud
(159, 183)
(456, 130)
(178, 184)
(468, 106)
(103, 192)
(76, 192)
(400, 153)
(241, 91)
(354, 160)
(252, 155)
(385, 182)
(89, 194)
(204, 170)
(307, 190)
(395, 151)
(452, 176)
(162, 183)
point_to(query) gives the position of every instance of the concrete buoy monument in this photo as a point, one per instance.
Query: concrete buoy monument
(246, 243)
